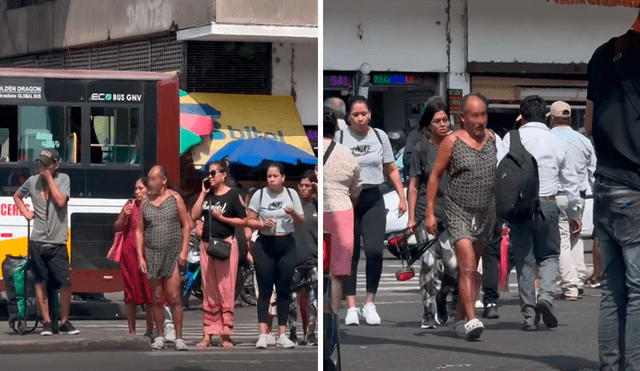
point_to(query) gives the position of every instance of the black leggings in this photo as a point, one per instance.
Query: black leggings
(275, 261)
(370, 224)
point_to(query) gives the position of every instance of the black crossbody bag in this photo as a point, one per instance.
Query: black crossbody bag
(218, 248)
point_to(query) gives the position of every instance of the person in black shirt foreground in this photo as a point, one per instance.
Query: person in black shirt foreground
(613, 116)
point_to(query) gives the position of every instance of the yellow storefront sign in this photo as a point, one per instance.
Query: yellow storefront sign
(248, 117)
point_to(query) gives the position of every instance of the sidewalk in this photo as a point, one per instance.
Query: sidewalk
(82, 314)
(103, 327)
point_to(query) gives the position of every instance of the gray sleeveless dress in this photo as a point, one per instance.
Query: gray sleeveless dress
(470, 206)
(162, 237)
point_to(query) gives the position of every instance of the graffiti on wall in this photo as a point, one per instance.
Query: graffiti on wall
(150, 15)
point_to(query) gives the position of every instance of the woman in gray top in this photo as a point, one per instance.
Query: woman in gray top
(372, 150)
(470, 155)
(275, 211)
(162, 242)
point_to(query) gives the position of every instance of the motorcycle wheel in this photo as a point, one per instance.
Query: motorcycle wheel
(248, 292)
(185, 298)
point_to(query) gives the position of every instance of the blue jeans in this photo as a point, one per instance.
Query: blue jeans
(617, 227)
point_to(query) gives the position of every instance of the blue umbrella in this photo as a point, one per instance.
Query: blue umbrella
(251, 152)
(200, 110)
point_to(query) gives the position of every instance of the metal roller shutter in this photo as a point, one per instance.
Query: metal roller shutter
(158, 54)
(228, 67)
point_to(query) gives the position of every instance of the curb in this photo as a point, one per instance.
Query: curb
(121, 343)
(87, 311)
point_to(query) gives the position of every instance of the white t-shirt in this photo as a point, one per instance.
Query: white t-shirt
(272, 207)
(370, 153)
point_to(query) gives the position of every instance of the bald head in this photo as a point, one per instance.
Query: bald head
(337, 106)
(474, 115)
(473, 99)
(158, 170)
(157, 179)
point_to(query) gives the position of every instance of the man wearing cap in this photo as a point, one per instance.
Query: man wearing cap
(579, 148)
(49, 193)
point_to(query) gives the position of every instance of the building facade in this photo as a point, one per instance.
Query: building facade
(264, 47)
(501, 48)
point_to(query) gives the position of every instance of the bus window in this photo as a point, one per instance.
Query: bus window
(41, 127)
(4, 144)
(74, 147)
(8, 133)
(115, 134)
(133, 156)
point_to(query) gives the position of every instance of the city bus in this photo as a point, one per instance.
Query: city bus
(110, 127)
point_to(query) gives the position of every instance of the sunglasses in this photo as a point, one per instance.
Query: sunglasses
(214, 172)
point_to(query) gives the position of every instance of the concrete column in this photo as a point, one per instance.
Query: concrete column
(457, 77)
(295, 73)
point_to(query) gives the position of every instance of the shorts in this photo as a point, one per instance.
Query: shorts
(50, 262)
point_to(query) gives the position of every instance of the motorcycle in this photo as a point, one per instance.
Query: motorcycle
(396, 225)
(304, 282)
(192, 277)
(410, 253)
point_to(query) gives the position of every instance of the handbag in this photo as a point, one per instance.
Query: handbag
(115, 252)
(218, 248)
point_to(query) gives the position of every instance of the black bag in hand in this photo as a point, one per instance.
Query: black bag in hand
(218, 248)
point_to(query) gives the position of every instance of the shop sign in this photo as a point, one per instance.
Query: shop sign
(343, 80)
(396, 79)
(455, 101)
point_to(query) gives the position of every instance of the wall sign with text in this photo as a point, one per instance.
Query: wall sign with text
(396, 79)
(455, 101)
(338, 79)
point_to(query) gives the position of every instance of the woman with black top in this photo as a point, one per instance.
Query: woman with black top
(223, 212)
(372, 150)
(275, 211)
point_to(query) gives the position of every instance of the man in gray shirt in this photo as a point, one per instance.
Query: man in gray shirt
(49, 193)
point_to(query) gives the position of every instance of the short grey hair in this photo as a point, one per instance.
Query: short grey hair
(337, 106)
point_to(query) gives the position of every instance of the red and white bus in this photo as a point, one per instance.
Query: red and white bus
(110, 127)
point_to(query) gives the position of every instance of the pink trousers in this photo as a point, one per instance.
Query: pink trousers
(219, 289)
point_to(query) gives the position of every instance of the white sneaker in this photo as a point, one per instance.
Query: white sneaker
(262, 342)
(285, 342)
(353, 317)
(170, 332)
(370, 314)
(271, 340)
(479, 304)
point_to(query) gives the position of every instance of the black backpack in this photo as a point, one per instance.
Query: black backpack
(517, 183)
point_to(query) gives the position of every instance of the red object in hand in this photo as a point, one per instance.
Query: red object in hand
(405, 275)
(504, 257)
(326, 252)
(396, 241)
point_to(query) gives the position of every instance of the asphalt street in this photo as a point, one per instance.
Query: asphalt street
(400, 344)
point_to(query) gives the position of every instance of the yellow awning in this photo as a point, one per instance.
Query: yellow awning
(247, 117)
